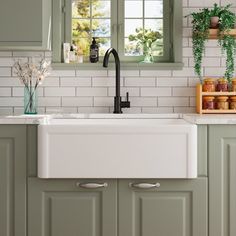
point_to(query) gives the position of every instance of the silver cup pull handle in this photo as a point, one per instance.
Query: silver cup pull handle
(145, 185)
(92, 185)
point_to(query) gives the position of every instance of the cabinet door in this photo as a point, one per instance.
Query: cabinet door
(25, 24)
(175, 208)
(222, 180)
(12, 180)
(62, 207)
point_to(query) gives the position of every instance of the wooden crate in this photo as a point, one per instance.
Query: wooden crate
(199, 97)
(213, 33)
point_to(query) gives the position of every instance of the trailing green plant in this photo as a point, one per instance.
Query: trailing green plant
(227, 20)
(228, 45)
(201, 24)
(200, 32)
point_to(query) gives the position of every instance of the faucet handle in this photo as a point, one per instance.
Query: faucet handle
(127, 96)
(125, 104)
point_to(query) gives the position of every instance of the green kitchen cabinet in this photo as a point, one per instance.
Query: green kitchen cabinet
(13, 180)
(222, 180)
(25, 24)
(173, 208)
(72, 207)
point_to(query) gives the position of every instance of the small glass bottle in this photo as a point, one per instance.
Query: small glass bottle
(233, 85)
(208, 85)
(233, 103)
(222, 103)
(222, 85)
(208, 103)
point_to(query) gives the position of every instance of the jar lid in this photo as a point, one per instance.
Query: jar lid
(208, 98)
(233, 80)
(209, 80)
(222, 98)
(222, 80)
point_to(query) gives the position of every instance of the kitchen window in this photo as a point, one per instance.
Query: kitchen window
(132, 27)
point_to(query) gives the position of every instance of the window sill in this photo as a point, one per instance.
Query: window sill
(124, 66)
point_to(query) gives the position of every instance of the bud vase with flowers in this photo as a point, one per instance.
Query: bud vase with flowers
(31, 75)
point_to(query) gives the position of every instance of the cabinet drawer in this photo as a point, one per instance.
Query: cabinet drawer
(72, 207)
(165, 207)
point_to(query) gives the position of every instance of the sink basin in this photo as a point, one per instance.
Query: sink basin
(117, 146)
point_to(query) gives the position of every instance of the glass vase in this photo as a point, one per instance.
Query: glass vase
(30, 100)
(148, 56)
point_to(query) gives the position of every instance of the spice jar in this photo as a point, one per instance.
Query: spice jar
(233, 103)
(209, 85)
(222, 85)
(222, 103)
(208, 103)
(234, 85)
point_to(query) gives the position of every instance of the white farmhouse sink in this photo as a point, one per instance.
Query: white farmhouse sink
(111, 146)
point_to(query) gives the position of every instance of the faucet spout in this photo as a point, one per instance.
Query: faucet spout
(118, 104)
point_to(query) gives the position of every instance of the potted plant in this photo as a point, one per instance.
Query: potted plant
(202, 23)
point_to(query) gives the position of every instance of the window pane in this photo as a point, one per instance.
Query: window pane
(104, 44)
(154, 8)
(80, 8)
(157, 48)
(101, 28)
(154, 24)
(132, 25)
(101, 9)
(133, 9)
(80, 28)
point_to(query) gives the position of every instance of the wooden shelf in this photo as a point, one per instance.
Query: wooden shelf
(199, 98)
(213, 33)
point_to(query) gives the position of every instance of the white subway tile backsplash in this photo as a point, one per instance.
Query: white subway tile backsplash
(153, 110)
(5, 71)
(85, 92)
(93, 109)
(143, 101)
(155, 73)
(158, 92)
(58, 110)
(10, 101)
(103, 101)
(77, 101)
(105, 82)
(173, 101)
(140, 82)
(184, 92)
(6, 111)
(169, 82)
(9, 81)
(60, 92)
(49, 101)
(75, 81)
(5, 92)
(88, 73)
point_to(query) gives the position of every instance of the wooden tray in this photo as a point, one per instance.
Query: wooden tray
(199, 96)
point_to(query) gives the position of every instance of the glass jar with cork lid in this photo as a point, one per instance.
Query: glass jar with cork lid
(222, 85)
(222, 103)
(208, 103)
(233, 102)
(209, 85)
(233, 85)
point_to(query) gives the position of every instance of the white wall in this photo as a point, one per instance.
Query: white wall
(92, 91)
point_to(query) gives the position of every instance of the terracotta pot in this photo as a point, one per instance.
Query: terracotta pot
(215, 22)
